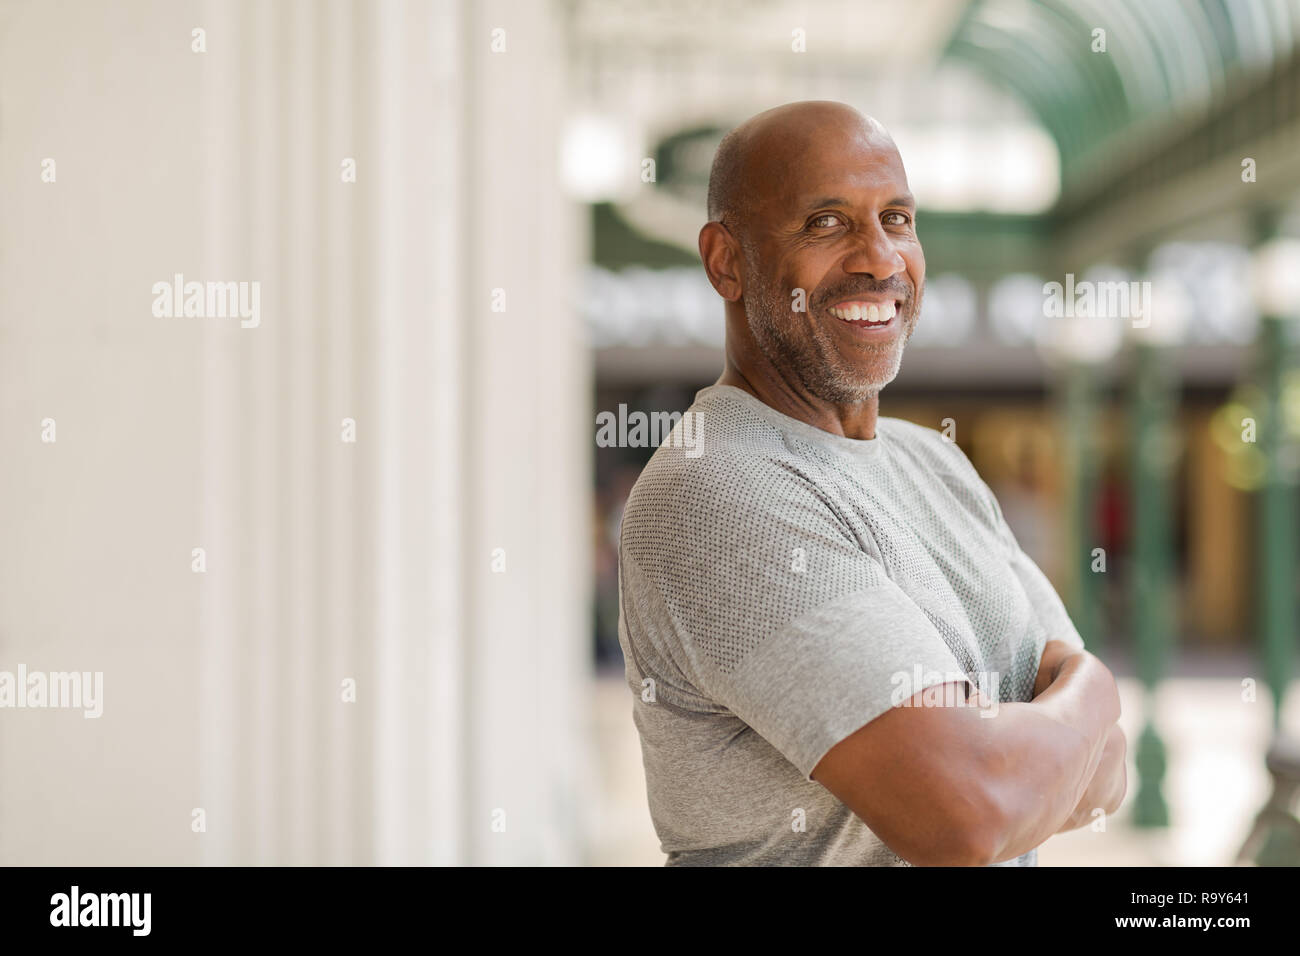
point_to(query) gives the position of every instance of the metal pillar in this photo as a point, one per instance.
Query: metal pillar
(1081, 426)
(1275, 515)
(1153, 454)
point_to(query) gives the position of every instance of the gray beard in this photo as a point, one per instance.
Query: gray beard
(814, 359)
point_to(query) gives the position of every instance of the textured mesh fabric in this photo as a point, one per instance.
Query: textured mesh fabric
(775, 581)
(672, 529)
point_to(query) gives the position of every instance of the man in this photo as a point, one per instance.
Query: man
(839, 653)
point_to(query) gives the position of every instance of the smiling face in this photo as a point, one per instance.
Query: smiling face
(835, 219)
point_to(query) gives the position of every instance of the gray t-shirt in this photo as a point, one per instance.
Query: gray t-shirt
(781, 587)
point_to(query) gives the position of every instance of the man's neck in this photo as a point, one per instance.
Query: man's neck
(787, 395)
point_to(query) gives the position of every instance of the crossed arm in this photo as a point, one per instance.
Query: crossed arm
(947, 786)
(1110, 780)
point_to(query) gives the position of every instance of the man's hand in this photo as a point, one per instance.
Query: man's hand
(1055, 654)
(1109, 781)
(1108, 785)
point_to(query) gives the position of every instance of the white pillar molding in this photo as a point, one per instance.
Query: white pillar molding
(326, 561)
(372, 561)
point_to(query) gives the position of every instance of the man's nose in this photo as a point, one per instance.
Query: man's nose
(875, 254)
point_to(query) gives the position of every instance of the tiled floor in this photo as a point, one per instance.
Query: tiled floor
(1216, 781)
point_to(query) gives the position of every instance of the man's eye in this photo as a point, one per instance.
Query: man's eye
(902, 218)
(825, 221)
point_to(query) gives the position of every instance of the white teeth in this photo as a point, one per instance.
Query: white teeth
(871, 314)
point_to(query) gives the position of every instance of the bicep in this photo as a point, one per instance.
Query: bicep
(913, 777)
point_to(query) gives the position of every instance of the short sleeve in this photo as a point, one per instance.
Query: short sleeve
(742, 589)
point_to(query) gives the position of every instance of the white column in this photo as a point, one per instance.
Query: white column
(528, 451)
(326, 560)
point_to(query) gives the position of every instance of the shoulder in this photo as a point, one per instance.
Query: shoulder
(918, 438)
(930, 453)
(926, 446)
(727, 472)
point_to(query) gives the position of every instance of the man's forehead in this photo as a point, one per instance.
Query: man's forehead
(865, 172)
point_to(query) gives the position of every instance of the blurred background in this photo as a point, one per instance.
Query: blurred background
(473, 227)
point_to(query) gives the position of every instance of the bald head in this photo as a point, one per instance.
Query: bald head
(767, 145)
(812, 243)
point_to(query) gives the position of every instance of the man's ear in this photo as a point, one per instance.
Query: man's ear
(718, 252)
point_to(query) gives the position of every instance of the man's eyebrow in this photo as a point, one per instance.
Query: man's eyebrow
(906, 200)
(825, 201)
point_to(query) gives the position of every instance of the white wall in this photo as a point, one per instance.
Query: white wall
(325, 560)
